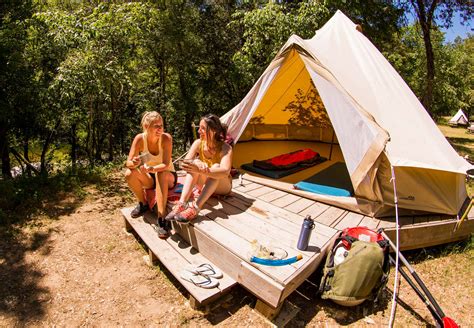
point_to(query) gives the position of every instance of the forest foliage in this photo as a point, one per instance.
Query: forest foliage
(75, 76)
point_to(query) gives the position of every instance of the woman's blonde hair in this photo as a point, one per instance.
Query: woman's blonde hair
(149, 117)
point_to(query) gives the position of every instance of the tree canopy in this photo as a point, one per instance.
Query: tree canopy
(76, 76)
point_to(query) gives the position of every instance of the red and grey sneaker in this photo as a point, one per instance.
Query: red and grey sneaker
(177, 208)
(187, 215)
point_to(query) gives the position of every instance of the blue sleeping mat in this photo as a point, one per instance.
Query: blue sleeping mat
(333, 181)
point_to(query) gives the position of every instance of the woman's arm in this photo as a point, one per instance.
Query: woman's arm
(133, 160)
(222, 171)
(194, 150)
(225, 165)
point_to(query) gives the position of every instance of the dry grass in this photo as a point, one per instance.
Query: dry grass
(460, 139)
(462, 142)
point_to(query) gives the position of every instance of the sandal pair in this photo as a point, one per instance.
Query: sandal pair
(198, 280)
(203, 275)
(205, 269)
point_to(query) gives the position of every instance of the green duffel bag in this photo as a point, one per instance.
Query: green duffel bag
(354, 275)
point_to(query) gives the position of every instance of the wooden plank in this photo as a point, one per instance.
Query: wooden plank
(285, 200)
(250, 228)
(348, 221)
(266, 310)
(265, 209)
(330, 216)
(236, 245)
(254, 280)
(272, 195)
(128, 227)
(195, 258)
(314, 210)
(300, 205)
(297, 279)
(386, 223)
(240, 182)
(417, 220)
(248, 187)
(390, 223)
(412, 237)
(369, 222)
(259, 192)
(172, 260)
(271, 229)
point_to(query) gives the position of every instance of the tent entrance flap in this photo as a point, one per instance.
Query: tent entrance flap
(291, 109)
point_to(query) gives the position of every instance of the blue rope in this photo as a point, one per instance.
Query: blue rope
(276, 262)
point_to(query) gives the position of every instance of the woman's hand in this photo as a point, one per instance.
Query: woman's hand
(135, 162)
(196, 166)
(155, 168)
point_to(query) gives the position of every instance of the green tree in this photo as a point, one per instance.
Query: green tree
(454, 79)
(429, 14)
(267, 28)
(15, 75)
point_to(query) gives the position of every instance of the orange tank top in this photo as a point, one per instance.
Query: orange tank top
(216, 158)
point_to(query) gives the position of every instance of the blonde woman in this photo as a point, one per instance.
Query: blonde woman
(208, 164)
(149, 166)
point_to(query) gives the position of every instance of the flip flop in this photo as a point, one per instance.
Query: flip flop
(206, 270)
(199, 280)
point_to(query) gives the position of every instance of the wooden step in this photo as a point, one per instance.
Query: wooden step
(175, 254)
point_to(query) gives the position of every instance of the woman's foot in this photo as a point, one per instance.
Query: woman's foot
(139, 210)
(177, 208)
(188, 214)
(163, 228)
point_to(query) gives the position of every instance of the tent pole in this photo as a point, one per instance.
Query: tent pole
(332, 142)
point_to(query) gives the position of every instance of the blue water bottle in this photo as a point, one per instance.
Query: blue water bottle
(308, 225)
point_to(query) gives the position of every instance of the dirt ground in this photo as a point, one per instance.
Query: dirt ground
(79, 268)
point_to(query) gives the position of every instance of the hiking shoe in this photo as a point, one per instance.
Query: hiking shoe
(177, 208)
(139, 210)
(187, 215)
(162, 233)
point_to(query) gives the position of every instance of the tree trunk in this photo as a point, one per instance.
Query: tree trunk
(25, 155)
(425, 13)
(73, 147)
(44, 151)
(5, 153)
(112, 123)
(427, 98)
(188, 119)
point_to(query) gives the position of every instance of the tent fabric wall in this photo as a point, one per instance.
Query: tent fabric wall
(377, 119)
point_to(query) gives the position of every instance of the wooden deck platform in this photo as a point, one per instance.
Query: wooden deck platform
(175, 254)
(224, 232)
(415, 231)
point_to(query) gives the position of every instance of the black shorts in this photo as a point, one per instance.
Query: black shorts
(175, 175)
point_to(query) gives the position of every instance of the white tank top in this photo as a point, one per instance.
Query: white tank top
(155, 159)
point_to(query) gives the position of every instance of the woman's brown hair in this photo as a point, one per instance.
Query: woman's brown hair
(214, 124)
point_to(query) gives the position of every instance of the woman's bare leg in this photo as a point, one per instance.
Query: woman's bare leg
(212, 186)
(138, 180)
(165, 181)
(190, 181)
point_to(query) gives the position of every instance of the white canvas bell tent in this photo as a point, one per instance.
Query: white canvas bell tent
(377, 120)
(459, 119)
